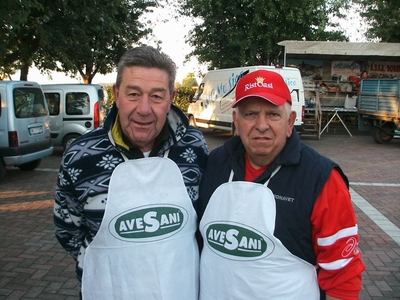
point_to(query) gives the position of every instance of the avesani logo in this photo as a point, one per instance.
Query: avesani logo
(237, 241)
(149, 223)
(259, 83)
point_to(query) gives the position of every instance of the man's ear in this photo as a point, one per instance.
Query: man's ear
(115, 92)
(234, 118)
(173, 94)
(291, 120)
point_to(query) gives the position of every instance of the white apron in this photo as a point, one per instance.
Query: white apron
(145, 248)
(241, 258)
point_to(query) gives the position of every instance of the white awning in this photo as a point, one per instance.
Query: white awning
(336, 50)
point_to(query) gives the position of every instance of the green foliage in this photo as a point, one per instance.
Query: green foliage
(85, 37)
(234, 33)
(383, 18)
(111, 99)
(98, 33)
(189, 81)
(182, 97)
(21, 31)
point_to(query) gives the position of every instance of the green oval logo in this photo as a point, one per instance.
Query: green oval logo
(149, 223)
(237, 241)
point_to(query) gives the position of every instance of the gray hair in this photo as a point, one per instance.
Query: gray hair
(147, 57)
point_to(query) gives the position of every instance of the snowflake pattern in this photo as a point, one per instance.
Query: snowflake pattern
(75, 242)
(192, 193)
(180, 130)
(74, 173)
(189, 155)
(62, 181)
(62, 213)
(109, 162)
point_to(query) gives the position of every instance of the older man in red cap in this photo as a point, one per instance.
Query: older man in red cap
(276, 217)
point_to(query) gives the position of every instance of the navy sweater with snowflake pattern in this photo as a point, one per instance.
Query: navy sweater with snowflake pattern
(87, 165)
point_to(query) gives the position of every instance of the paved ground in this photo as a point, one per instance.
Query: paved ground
(33, 265)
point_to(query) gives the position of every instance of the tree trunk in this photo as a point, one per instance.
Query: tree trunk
(24, 71)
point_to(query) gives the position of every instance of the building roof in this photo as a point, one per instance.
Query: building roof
(341, 50)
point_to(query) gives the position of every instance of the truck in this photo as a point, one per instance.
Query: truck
(378, 108)
(211, 105)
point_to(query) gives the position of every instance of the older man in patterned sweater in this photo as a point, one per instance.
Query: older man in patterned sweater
(119, 207)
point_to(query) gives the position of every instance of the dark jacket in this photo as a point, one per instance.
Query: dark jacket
(296, 187)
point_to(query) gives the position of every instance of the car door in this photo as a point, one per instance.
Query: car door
(30, 119)
(54, 99)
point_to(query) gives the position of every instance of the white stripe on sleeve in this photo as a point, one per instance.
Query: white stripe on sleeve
(330, 240)
(335, 265)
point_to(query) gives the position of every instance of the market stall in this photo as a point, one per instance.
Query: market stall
(331, 70)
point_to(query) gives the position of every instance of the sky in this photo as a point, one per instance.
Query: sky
(172, 34)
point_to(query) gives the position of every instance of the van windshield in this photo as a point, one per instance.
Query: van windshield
(29, 103)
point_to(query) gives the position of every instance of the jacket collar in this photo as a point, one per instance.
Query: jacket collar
(177, 126)
(290, 155)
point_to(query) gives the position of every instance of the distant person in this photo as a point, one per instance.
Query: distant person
(277, 218)
(125, 195)
(363, 75)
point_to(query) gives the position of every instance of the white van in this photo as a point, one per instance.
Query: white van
(211, 106)
(75, 109)
(24, 126)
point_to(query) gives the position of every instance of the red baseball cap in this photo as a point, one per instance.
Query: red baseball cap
(265, 84)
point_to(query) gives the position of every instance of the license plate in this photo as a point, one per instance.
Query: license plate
(36, 130)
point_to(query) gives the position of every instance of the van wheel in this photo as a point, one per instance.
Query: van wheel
(69, 139)
(2, 169)
(32, 165)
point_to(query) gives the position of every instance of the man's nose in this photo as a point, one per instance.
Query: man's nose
(144, 105)
(262, 122)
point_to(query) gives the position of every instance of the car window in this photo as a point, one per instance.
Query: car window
(77, 104)
(29, 103)
(53, 101)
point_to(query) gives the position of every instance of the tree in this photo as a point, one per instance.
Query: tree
(182, 97)
(85, 37)
(98, 33)
(189, 81)
(234, 33)
(21, 32)
(383, 18)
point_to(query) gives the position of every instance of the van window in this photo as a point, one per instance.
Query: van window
(200, 91)
(29, 103)
(53, 101)
(77, 104)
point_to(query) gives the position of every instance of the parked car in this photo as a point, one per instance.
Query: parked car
(75, 109)
(24, 126)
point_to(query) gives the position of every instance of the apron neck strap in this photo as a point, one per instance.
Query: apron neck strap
(266, 183)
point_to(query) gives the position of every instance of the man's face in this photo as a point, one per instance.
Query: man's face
(263, 128)
(143, 100)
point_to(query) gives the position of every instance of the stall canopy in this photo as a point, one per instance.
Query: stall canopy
(340, 51)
